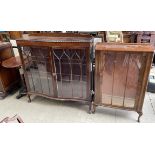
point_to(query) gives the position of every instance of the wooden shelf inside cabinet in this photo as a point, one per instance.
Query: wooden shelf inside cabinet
(57, 67)
(121, 74)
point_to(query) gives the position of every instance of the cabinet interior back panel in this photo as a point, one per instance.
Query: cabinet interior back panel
(119, 75)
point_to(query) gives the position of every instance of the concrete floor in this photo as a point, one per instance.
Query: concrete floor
(43, 110)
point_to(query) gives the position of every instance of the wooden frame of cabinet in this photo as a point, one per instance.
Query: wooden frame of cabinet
(121, 74)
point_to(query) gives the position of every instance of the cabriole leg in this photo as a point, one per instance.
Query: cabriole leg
(90, 107)
(29, 98)
(94, 107)
(140, 114)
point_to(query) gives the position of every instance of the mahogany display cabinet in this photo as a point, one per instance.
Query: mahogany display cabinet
(9, 77)
(121, 75)
(57, 67)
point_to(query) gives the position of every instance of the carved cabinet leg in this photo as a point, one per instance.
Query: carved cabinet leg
(140, 114)
(29, 98)
(94, 108)
(90, 107)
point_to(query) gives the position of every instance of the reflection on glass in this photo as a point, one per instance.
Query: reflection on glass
(135, 63)
(119, 76)
(71, 72)
(38, 70)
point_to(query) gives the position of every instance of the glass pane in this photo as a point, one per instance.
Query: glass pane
(119, 79)
(70, 67)
(107, 71)
(135, 63)
(38, 70)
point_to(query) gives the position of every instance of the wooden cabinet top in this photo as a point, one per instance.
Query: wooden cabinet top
(4, 45)
(54, 41)
(61, 35)
(127, 47)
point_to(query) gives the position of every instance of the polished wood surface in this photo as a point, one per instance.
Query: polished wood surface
(66, 42)
(4, 36)
(51, 39)
(121, 74)
(8, 76)
(125, 47)
(61, 35)
(13, 62)
(15, 34)
(4, 45)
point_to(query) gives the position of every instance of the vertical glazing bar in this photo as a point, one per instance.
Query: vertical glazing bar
(71, 74)
(61, 72)
(31, 74)
(27, 57)
(143, 61)
(30, 70)
(87, 54)
(126, 78)
(81, 75)
(53, 72)
(47, 79)
(113, 78)
(21, 51)
(39, 73)
(79, 66)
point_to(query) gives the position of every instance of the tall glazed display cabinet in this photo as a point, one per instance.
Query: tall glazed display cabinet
(57, 67)
(121, 74)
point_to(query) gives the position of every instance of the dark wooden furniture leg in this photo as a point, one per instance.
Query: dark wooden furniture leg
(29, 98)
(94, 108)
(140, 114)
(90, 105)
(23, 90)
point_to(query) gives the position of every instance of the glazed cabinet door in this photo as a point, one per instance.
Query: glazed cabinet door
(117, 77)
(72, 71)
(38, 70)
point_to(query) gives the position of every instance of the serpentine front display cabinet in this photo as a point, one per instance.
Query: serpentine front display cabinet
(57, 67)
(121, 75)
